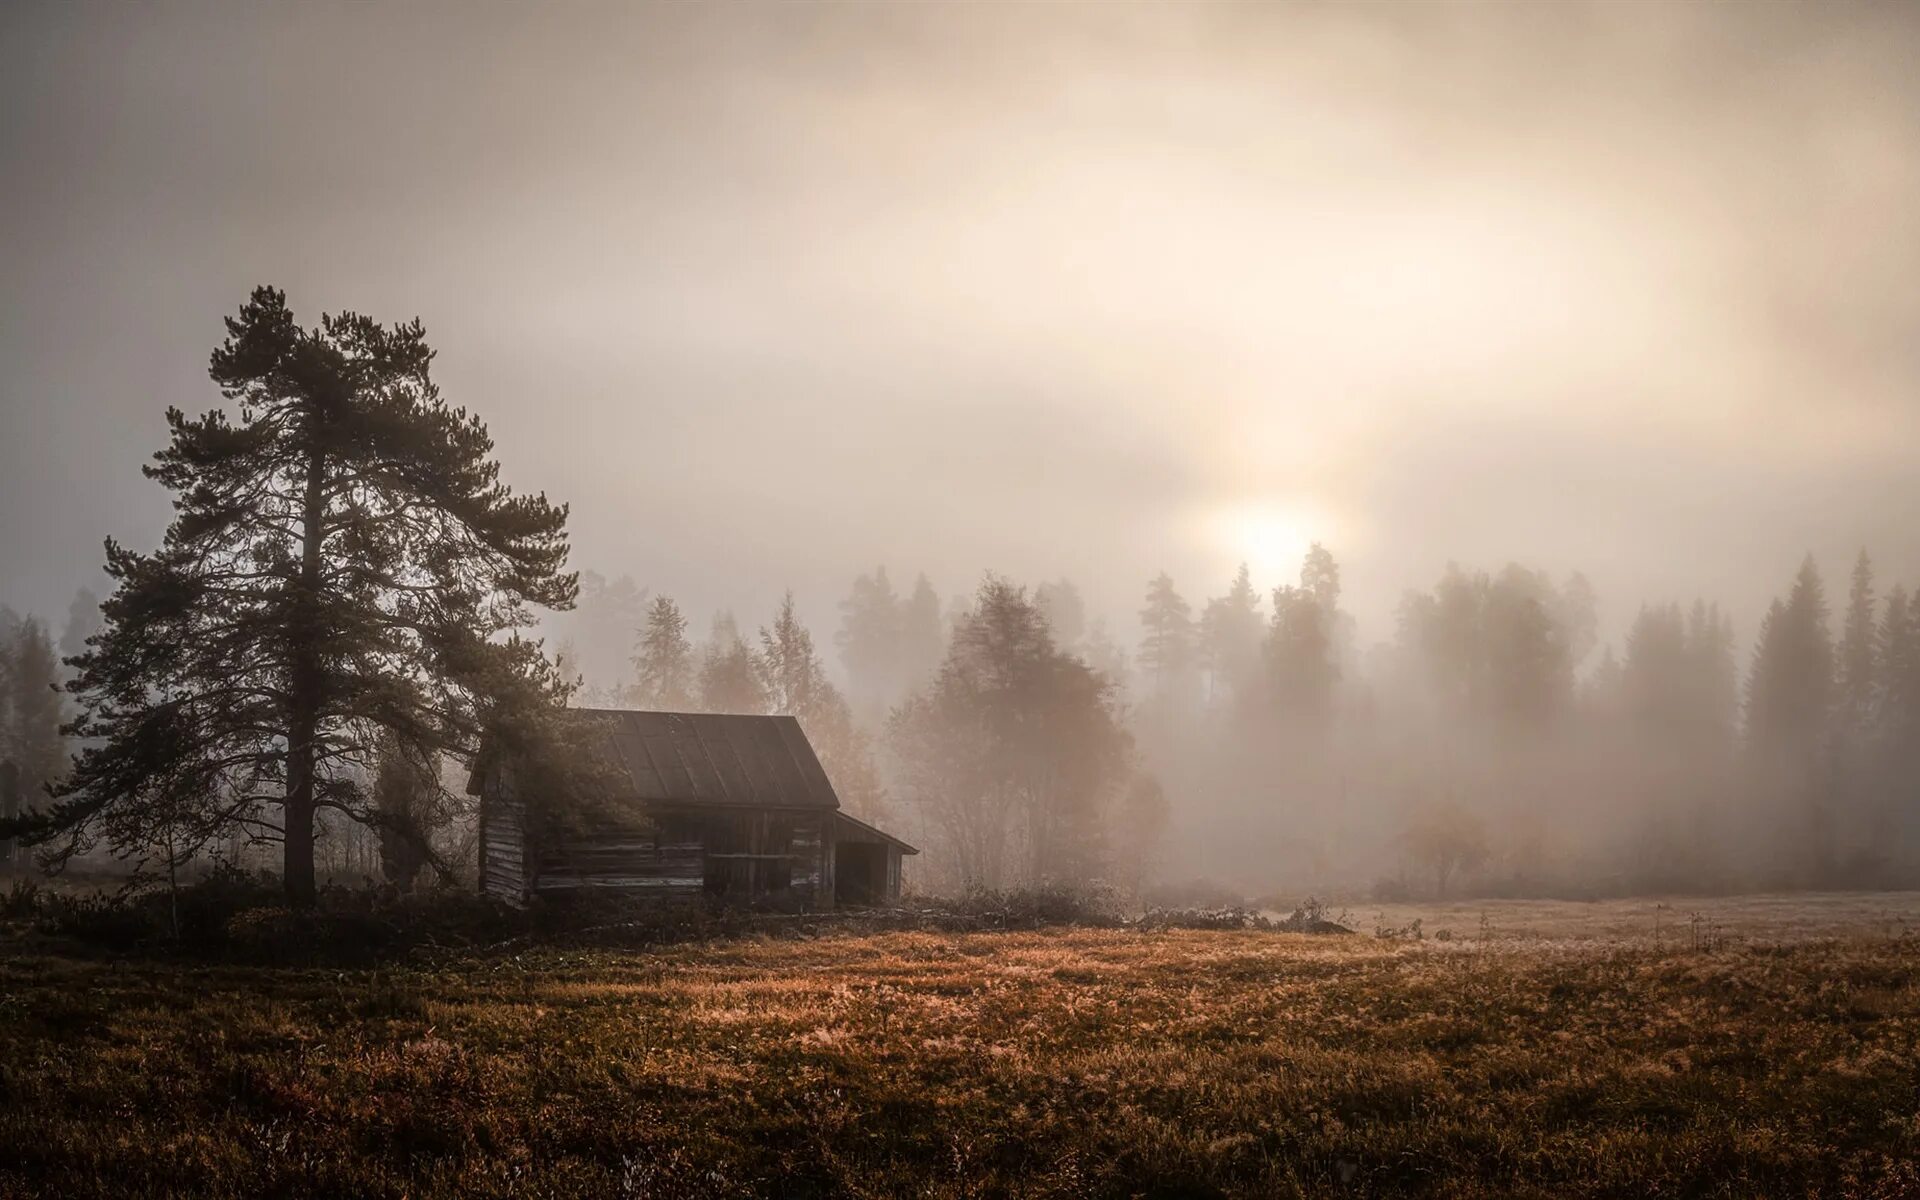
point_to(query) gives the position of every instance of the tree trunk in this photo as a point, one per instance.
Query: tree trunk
(303, 723)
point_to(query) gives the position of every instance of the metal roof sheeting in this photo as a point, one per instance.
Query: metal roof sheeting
(714, 758)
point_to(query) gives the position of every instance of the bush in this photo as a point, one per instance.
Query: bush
(1229, 917)
(1032, 907)
(232, 914)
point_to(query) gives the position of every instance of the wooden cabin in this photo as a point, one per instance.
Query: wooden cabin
(733, 809)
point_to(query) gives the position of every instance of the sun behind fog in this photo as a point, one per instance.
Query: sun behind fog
(1269, 536)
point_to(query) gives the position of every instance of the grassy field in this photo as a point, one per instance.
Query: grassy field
(1547, 1050)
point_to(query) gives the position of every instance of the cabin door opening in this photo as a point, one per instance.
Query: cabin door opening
(859, 873)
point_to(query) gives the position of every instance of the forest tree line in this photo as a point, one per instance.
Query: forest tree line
(1248, 739)
(337, 615)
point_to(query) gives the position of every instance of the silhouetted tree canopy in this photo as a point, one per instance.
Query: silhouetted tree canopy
(344, 564)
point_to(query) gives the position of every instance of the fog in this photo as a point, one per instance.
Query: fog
(772, 295)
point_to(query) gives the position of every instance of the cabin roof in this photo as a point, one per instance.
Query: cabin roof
(716, 758)
(865, 832)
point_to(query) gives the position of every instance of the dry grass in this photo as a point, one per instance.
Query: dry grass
(1067, 1062)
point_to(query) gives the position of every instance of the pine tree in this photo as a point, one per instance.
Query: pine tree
(1657, 676)
(663, 670)
(1300, 641)
(1898, 650)
(1528, 655)
(729, 681)
(1859, 654)
(343, 560)
(923, 634)
(794, 682)
(790, 672)
(1897, 704)
(1229, 643)
(1790, 688)
(1166, 647)
(870, 639)
(31, 736)
(1714, 678)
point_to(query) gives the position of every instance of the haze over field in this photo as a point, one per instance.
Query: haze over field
(1086, 297)
(772, 294)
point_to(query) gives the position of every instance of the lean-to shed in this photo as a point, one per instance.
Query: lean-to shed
(735, 808)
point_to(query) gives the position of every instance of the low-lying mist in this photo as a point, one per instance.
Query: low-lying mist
(1262, 744)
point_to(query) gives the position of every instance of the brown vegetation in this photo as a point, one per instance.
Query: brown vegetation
(1053, 1062)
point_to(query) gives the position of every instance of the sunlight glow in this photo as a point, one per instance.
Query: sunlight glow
(1270, 537)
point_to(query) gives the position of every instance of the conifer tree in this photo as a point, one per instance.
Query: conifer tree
(343, 561)
(1858, 659)
(1300, 641)
(1790, 688)
(729, 681)
(923, 634)
(794, 681)
(870, 639)
(31, 736)
(1166, 645)
(663, 660)
(1229, 641)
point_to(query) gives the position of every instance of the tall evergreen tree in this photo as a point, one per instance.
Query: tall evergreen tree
(794, 681)
(870, 639)
(1790, 688)
(343, 560)
(1897, 707)
(791, 674)
(1714, 677)
(1856, 679)
(1166, 645)
(31, 735)
(729, 681)
(1657, 676)
(1301, 655)
(663, 669)
(1229, 643)
(923, 634)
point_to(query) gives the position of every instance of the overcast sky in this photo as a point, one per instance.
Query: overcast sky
(772, 294)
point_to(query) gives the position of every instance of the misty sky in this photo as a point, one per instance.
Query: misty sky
(771, 294)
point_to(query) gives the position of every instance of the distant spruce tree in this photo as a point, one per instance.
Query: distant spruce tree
(31, 736)
(923, 634)
(663, 668)
(1229, 643)
(729, 682)
(1166, 645)
(1713, 677)
(1301, 660)
(1790, 687)
(794, 681)
(1857, 666)
(343, 561)
(869, 639)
